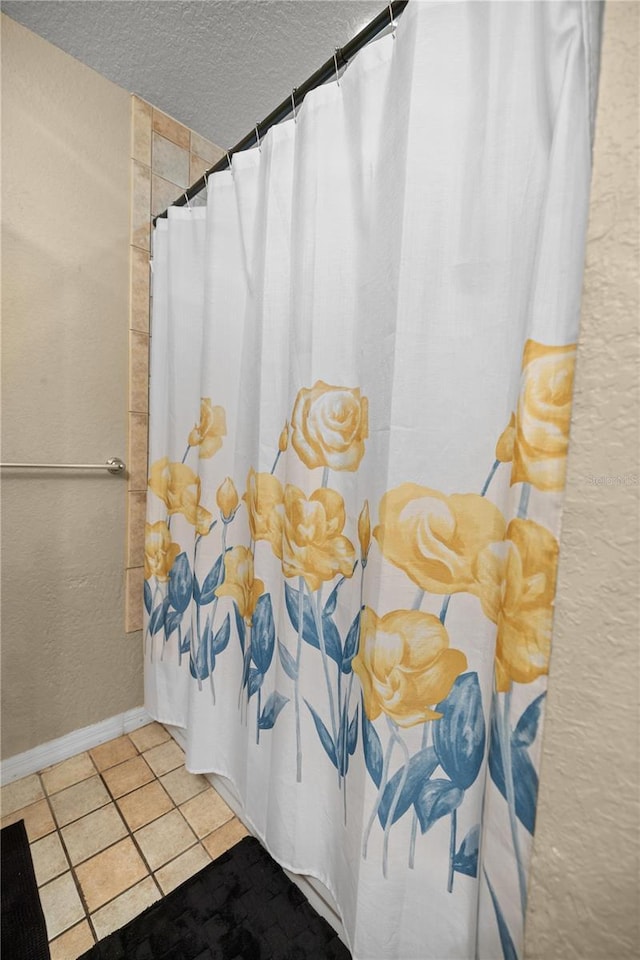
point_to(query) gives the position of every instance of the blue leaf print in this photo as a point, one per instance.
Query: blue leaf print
(287, 661)
(171, 622)
(459, 736)
(330, 633)
(240, 627)
(180, 583)
(273, 706)
(351, 644)
(332, 600)
(221, 639)
(509, 951)
(437, 799)
(157, 617)
(466, 859)
(199, 664)
(525, 778)
(527, 727)
(148, 599)
(352, 739)
(212, 580)
(263, 634)
(196, 589)
(372, 749)
(420, 768)
(185, 646)
(325, 737)
(255, 681)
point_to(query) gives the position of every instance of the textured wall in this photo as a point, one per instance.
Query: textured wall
(66, 661)
(584, 885)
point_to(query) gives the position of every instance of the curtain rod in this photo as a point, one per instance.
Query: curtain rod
(326, 72)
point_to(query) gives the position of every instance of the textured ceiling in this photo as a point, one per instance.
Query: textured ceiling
(218, 66)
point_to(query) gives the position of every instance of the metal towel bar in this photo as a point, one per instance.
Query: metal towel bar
(114, 465)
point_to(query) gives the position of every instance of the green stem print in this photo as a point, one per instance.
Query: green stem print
(395, 737)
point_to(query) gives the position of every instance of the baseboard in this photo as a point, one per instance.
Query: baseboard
(13, 768)
(315, 892)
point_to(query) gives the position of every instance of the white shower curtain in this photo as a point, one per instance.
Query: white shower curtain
(361, 377)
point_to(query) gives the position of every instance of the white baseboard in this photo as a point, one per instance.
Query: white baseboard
(68, 746)
(315, 892)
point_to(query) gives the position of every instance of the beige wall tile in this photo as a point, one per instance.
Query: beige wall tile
(165, 757)
(141, 130)
(125, 907)
(197, 168)
(205, 149)
(138, 372)
(20, 793)
(49, 858)
(183, 867)
(73, 943)
(61, 905)
(144, 805)
(165, 838)
(163, 193)
(140, 204)
(110, 873)
(224, 837)
(136, 511)
(149, 736)
(113, 752)
(68, 772)
(78, 800)
(127, 776)
(170, 161)
(37, 818)
(137, 454)
(168, 127)
(93, 833)
(182, 785)
(133, 599)
(140, 282)
(206, 812)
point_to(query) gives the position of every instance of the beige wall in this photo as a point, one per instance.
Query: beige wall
(583, 902)
(66, 660)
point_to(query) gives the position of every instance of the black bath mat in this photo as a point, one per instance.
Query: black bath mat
(240, 907)
(24, 932)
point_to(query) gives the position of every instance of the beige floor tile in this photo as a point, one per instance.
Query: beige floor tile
(49, 858)
(110, 873)
(149, 736)
(165, 757)
(206, 812)
(125, 907)
(127, 776)
(182, 785)
(61, 905)
(93, 833)
(21, 793)
(37, 819)
(73, 943)
(224, 838)
(144, 805)
(67, 773)
(173, 874)
(113, 752)
(78, 800)
(165, 838)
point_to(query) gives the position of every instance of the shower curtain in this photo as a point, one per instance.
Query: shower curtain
(362, 361)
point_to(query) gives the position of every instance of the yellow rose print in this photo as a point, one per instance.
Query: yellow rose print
(364, 531)
(159, 552)
(208, 434)
(312, 544)
(264, 495)
(227, 499)
(537, 439)
(405, 665)
(435, 538)
(516, 588)
(179, 489)
(240, 583)
(329, 426)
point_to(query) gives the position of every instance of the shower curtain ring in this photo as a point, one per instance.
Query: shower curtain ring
(258, 135)
(186, 197)
(335, 61)
(228, 159)
(392, 22)
(293, 104)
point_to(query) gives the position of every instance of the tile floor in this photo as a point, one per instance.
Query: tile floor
(114, 829)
